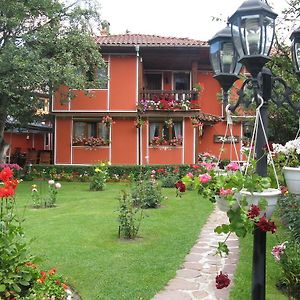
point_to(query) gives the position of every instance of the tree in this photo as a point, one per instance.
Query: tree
(284, 123)
(44, 44)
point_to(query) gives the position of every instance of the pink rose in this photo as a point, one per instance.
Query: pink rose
(204, 178)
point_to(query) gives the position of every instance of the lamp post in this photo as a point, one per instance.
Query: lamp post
(252, 34)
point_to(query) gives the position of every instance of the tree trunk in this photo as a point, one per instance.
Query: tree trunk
(3, 116)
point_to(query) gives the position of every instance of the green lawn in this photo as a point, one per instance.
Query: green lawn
(79, 238)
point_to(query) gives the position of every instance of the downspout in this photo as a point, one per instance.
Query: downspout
(139, 129)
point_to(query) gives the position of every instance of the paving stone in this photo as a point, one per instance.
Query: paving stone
(193, 265)
(172, 295)
(193, 257)
(196, 279)
(200, 294)
(181, 284)
(185, 273)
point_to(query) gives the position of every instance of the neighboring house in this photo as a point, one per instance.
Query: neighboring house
(31, 143)
(150, 110)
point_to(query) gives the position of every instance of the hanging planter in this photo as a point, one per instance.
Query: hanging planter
(270, 195)
(225, 205)
(292, 179)
(288, 155)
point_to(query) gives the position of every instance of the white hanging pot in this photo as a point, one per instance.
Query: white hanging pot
(270, 195)
(292, 179)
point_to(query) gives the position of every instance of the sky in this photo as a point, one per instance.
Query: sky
(173, 18)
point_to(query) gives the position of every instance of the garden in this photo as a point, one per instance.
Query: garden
(113, 232)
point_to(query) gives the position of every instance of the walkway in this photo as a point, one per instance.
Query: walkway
(196, 279)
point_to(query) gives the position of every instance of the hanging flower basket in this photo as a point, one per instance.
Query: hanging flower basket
(224, 205)
(292, 179)
(270, 195)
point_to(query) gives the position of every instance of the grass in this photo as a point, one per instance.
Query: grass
(79, 238)
(243, 276)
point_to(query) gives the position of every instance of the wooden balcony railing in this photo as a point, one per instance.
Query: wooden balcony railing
(168, 100)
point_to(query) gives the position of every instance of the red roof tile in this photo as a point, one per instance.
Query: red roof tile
(147, 40)
(208, 117)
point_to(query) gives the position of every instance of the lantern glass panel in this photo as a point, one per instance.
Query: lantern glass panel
(215, 57)
(252, 34)
(268, 29)
(227, 57)
(236, 37)
(297, 55)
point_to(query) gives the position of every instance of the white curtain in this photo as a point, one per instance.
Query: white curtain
(177, 130)
(153, 127)
(79, 128)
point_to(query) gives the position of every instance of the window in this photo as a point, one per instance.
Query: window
(89, 133)
(164, 133)
(182, 81)
(153, 81)
(102, 76)
(97, 77)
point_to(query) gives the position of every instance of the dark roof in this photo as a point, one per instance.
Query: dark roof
(147, 40)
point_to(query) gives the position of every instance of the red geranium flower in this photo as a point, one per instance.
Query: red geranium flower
(180, 186)
(6, 174)
(266, 225)
(253, 211)
(222, 281)
(6, 192)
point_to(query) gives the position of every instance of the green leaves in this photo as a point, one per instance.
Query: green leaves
(43, 44)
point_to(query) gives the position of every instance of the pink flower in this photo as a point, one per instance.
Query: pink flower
(153, 172)
(204, 178)
(233, 166)
(225, 192)
(278, 250)
(190, 174)
(208, 166)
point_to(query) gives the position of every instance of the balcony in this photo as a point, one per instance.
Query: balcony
(168, 100)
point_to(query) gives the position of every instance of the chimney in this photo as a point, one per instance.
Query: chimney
(104, 28)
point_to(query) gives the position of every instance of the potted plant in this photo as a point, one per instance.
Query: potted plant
(287, 158)
(244, 198)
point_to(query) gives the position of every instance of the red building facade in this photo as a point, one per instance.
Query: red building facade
(159, 106)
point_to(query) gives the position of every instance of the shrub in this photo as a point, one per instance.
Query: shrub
(169, 180)
(130, 217)
(289, 211)
(290, 265)
(20, 278)
(146, 193)
(99, 178)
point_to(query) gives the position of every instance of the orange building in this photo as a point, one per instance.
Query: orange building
(159, 105)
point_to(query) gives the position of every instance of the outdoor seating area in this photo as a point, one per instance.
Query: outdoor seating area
(32, 157)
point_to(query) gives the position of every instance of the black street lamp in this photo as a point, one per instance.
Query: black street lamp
(252, 34)
(252, 29)
(224, 58)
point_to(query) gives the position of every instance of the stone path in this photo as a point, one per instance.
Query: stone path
(196, 279)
